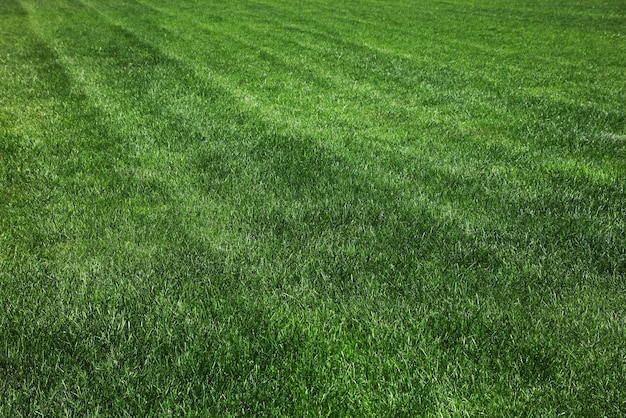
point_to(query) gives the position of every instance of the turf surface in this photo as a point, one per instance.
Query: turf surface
(355, 208)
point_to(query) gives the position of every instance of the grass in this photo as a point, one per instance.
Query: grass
(277, 208)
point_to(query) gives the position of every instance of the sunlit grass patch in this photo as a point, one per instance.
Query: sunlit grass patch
(347, 209)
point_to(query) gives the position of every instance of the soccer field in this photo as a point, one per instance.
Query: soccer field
(313, 208)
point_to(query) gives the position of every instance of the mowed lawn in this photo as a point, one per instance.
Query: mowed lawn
(312, 208)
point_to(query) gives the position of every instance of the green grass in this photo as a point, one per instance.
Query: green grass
(312, 208)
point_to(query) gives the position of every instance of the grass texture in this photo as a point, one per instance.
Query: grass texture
(312, 208)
